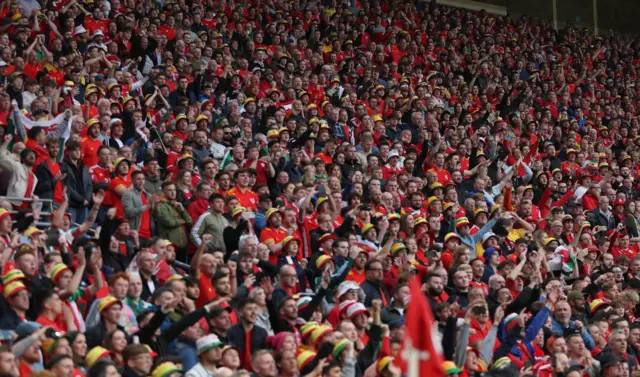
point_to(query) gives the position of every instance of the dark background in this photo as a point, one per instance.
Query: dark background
(619, 15)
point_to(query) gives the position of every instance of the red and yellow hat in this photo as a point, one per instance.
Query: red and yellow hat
(57, 271)
(393, 216)
(326, 236)
(462, 222)
(450, 236)
(304, 358)
(319, 332)
(237, 212)
(4, 213)
(14, 288)
(95, 354)
(180, 117)
(366, 229)
(108, 302)
(308, 328)
(322, 260)
(419, 221)
(271, 212)
(13, 275)
(92, 122)
(32, 231)
(287, 240)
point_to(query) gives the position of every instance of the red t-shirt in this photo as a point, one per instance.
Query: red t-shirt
(25, 370)
(90, 150)
(261, 168)
(207, 293)
(270, 236)
(247, 198)
(57, 191)
(145, 219)
(57, 325)
(247, 351)
(114, 197)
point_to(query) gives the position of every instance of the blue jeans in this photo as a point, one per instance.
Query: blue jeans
(78, 215)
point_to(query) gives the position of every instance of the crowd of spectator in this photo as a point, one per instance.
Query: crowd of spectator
(257, 188)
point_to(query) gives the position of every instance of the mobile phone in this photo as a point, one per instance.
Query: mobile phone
(322, 191)
(25, 240)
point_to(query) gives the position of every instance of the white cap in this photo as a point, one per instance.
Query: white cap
(347, 286)
(79, 30)
(487, 236)
(393, 153)
(98, 33)
(3, 63)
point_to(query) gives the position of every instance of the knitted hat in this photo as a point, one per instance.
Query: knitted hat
(14, 288)
(304, 358)
(11, 276)
(462, 222)
(510, 321)
(303, 302)
(339, 347)
(308, 328)
(319, 332)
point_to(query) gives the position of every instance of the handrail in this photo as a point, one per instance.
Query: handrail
(42, 202)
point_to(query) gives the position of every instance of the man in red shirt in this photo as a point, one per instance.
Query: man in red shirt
(36, 138)
(247, 198)
(101, 172)
(273, 234)
(91, 144)
(51, 310)
(119, 184)
(28, 359)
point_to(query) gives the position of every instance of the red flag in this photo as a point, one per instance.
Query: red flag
(422, 352)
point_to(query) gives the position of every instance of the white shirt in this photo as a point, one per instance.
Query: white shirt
(199, 371)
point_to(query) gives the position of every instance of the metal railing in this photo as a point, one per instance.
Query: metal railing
(44, 205)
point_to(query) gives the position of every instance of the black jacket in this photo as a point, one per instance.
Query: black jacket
(46, 183)
(78, 182)
(374, 291)
(146, 292)
(237, 337)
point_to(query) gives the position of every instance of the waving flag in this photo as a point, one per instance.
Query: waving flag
(49, 126)
(422, 353)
